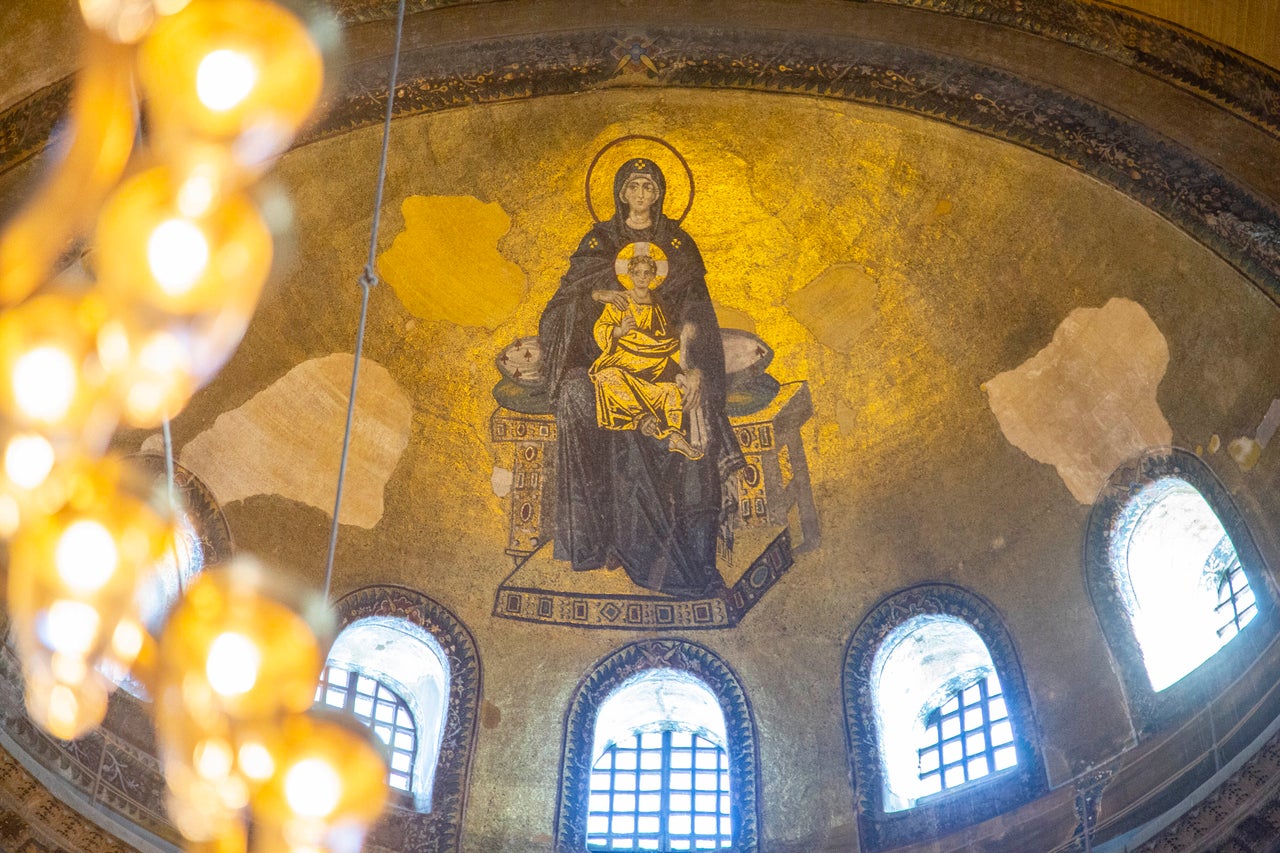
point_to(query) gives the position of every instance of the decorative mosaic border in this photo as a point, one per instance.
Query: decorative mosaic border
(103, 766)
(404, 830)
(1166, 51)
(610, 673)
(1149, 710)
(1191, 192)
(878, 829)
(648, 612)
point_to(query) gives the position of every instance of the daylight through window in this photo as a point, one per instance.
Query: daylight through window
(940, 710)
(392, 675)
(967, 738)
(660, 779)
(378, 707)
(1181, 580)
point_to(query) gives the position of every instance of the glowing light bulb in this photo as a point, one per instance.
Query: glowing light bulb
(256, 761)
(224, 78)
(232, 665)
(69, 669)
(126, 642)
(196, 194)
(44, 383)
(86, 556)
(63, 706)
(28, 459)
(213, 759)
(70, 627)
(178, 254)
(312, 788)
(10, 516)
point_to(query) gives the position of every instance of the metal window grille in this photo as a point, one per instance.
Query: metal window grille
(661, 791)
(378, 707)
(970, 736)
(1236, 604)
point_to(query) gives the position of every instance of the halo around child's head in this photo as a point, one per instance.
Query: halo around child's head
(627, 261)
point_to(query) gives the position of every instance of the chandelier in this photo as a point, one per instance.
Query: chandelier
(126, 282)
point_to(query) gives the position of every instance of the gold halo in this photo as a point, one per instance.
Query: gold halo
(628, 252)
(611, 157)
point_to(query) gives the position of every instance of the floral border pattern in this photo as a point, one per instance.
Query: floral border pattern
(610, 673)
(404, 830)
(1149, 710)
(878, 829)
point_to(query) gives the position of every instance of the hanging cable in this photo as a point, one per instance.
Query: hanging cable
(173, 505)
(368, 279)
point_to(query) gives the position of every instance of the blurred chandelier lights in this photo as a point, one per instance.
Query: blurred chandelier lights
(175, 255)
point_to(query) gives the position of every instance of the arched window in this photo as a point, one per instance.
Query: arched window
(937, 717)
(940, 710)
(1180, 574)
(1175, 580)
(393, 676)
(660, 771)
(435, 820)
(379, 707)
(659, 755)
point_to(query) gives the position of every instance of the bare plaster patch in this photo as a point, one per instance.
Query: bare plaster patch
(286, 440)
(1087, 401)
(837, 307)
(501, 480)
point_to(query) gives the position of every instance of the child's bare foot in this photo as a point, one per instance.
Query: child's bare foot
(677, 443)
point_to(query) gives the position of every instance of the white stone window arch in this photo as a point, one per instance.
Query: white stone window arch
(409, 660)
(1179, 578)
(660, 775)
(923, 666)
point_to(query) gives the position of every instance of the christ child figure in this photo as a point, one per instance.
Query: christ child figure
(637, 377)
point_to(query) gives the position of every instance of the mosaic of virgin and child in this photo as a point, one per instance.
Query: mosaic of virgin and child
(634, 365)
(630, 361)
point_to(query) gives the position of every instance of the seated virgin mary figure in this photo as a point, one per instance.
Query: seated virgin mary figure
(623, 498)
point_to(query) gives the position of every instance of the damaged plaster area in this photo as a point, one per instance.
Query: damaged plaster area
(1087, 401)
(286, 440)
(837, 307)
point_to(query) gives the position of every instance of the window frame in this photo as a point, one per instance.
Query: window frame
(403, 827)
(951, 809)
(351, 695)
(666, 751)
(1151, 711)
(610, 673)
